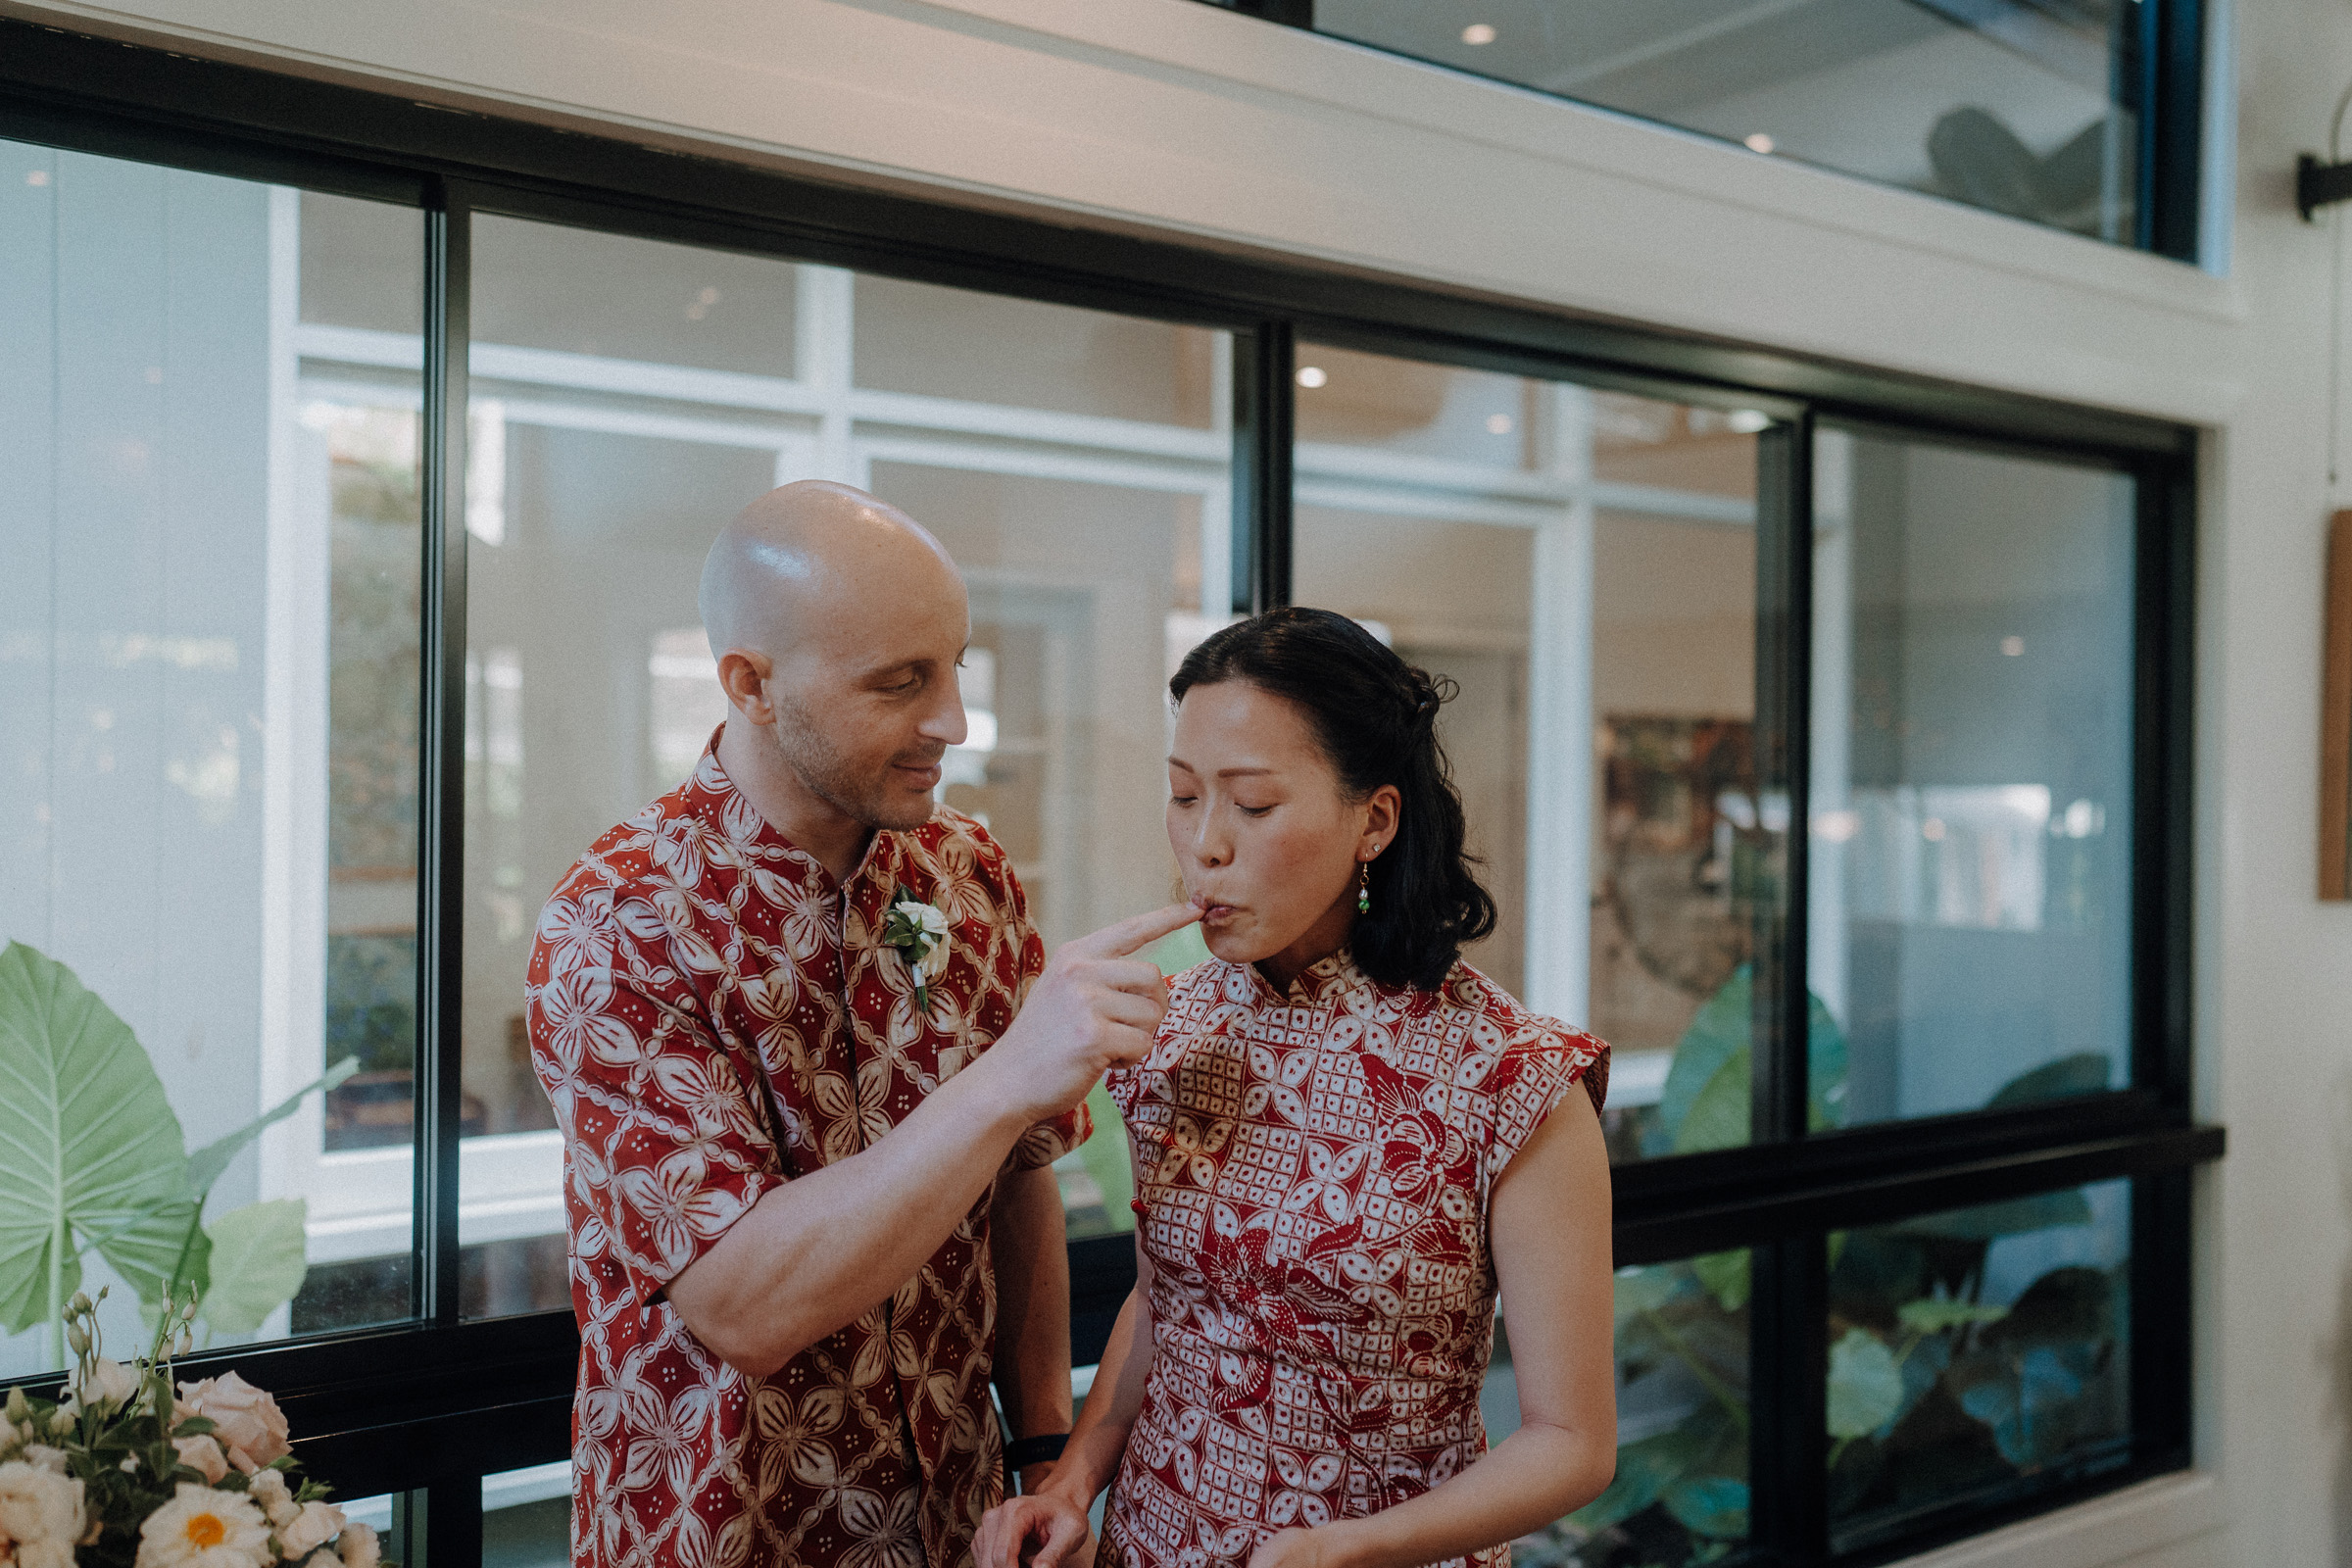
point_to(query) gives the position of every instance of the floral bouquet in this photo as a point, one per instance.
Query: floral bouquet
(121, 1472)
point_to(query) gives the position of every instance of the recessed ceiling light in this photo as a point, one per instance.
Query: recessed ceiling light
(1747, 421)
(40, 176)
(1758, 142)
(2014, 647)
(1478, 32)
(1498, 424)
(1312, 377)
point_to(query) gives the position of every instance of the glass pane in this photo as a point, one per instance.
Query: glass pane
(1978, 1354)
(596, 485)
(1581, 564)
(615, 297)
(1044, 359)
(1084, 597)
(1680, 1496)
(526, 1517)
(1970, 920)
(2021, 107)
(209, 568)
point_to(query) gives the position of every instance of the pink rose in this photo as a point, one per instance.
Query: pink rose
(203, 1456)
(246, 1421)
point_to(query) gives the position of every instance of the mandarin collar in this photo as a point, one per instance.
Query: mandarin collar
(1327, 981)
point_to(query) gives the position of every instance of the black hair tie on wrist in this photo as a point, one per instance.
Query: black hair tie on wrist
(1023, 1453)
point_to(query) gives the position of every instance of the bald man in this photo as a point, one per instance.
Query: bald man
(810, 1066)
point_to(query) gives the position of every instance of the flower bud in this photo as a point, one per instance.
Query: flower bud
(19, 1408)
(80, 1305)
(78, 1339)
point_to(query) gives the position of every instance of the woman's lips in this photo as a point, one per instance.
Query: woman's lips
(1212, 912)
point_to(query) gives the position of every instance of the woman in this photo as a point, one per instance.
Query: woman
(1346, 1141)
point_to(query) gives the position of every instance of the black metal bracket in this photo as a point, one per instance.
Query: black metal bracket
(2319, 184)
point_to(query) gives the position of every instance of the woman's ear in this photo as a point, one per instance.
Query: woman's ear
(742, 675)
(1384, 810)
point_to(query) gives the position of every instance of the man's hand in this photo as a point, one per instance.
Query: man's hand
(1041, 1530)
(1093, 1009)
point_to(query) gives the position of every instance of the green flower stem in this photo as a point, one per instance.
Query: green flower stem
(1714, 1385)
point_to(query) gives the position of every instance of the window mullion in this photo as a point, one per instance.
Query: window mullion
(440, 916)
(1263, 425)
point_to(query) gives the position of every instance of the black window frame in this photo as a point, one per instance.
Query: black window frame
(425, 1407)
(2163, 72)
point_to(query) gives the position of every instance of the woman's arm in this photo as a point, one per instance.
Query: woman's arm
(1051, 1522)
(1550, 1233)
(1029, 1243)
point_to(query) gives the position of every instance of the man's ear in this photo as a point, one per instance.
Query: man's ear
(743, 676)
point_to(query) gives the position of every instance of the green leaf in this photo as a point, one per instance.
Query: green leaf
(2085, 1073)
(1642, 1287)
(2041, 1212)
(90, 1153)
(1718, 1116)
(1709, 1505)
(1726, 1277)
(1865, 1387)
(207, 1164)
(1718, 1032)
(257, 1264)
(1936, 1315)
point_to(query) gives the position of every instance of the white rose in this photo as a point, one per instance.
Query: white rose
(45, 1554)
(268, 1488)
(39, 1504)
(42, 1456)
(200, 1527)
(109, 1382)
(359, 1547)
(314, 1527)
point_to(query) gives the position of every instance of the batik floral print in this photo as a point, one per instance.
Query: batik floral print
(1312, 1176)
(712, 1015)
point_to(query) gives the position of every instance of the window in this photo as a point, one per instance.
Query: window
(352, 593)
(2078, 115)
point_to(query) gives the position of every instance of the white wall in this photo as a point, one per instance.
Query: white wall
(1175, 117)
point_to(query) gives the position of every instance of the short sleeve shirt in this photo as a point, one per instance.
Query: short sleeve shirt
(712, 1015)
(1312, 1172)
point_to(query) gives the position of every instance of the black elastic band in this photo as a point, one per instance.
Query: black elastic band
(1023, 1453)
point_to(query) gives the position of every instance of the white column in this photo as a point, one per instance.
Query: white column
(1834, 821)
(1559, 784)
(823, 341)
(294, 737)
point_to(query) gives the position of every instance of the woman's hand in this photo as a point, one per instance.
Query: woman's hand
(1296, 1548)
(1041, 1530)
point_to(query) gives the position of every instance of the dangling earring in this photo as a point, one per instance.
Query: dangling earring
(1363, 888)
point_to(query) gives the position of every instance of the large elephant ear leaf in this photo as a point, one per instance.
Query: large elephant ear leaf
(90, 1152)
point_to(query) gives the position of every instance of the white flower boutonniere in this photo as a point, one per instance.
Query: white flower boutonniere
(919, 932)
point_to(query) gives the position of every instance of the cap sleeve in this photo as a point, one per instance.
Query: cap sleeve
(1531, 1078)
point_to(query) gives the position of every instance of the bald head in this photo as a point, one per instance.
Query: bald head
(807, 558)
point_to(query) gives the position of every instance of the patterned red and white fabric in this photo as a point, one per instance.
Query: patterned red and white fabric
(712, 1015)
(1312, 1172)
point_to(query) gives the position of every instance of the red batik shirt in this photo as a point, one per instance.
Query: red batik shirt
(1312, 1172)
(713, 1015)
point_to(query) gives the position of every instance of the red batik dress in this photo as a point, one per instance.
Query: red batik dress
(1312, 1172)
(713, 1015)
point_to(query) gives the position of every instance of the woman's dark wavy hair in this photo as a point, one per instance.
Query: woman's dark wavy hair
(1375, 717)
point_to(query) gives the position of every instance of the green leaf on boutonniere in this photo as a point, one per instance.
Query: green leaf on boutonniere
(919, 932)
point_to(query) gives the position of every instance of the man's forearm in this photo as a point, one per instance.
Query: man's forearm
(1030, 1243)
(818, 1254)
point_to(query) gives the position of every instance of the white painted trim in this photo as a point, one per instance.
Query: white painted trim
(1559, 785)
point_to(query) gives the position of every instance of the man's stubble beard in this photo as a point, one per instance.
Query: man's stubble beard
(825, 774)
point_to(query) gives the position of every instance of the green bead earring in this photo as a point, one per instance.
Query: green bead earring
(1363, 888)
